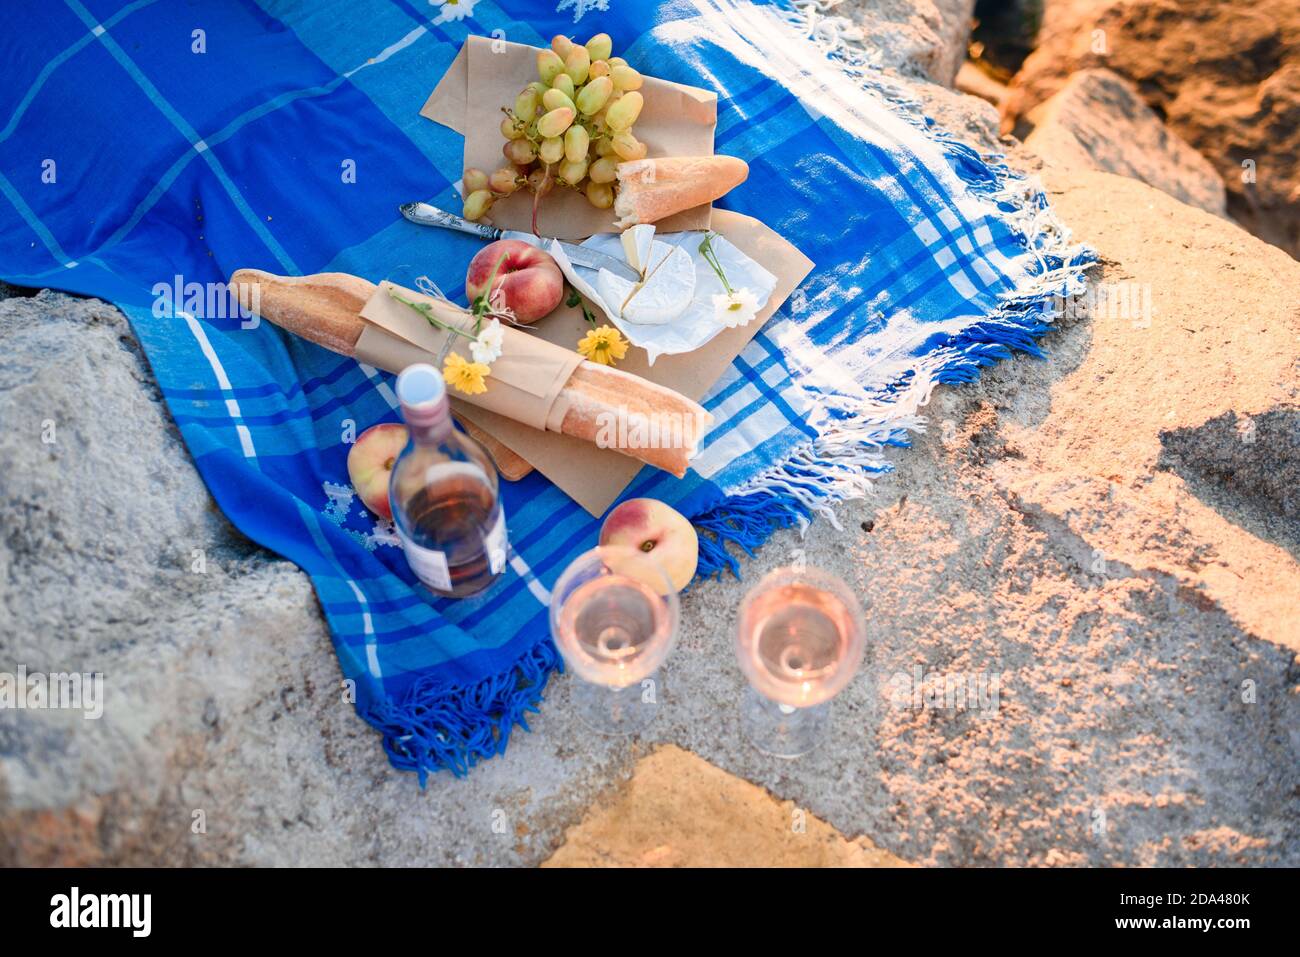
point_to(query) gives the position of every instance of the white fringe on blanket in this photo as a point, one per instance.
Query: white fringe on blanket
(856, 425)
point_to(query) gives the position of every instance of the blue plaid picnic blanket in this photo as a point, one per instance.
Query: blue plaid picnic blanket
(149, 145)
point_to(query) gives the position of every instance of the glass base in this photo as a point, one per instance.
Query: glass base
(779, 729)
(615, 711)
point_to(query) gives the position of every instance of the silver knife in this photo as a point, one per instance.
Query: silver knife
(424, 214)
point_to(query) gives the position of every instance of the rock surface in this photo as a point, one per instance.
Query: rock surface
(1224, 75)
(1111, 533)
(921, 38)
(1098, 119)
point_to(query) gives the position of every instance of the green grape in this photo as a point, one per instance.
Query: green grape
(504, 181)
(572, 171)
(526, 104)
(576, 141)
(520, 151)
(624, 112)
(539, 87)
(592, 97)
(628, 147)
(626, 78)
(477, 204)
(614, 61)
(600, 195)
(603, 146)
(561, 44)
(556, 99)
(555, 122)
(474, 180)
(598, 68)
(511, 129)
(600, 46)
(564, 83)
(549, 64)
(604, 170)
(551, 150)
(577, 63)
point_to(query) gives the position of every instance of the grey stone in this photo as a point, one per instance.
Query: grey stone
(925, 39)
(1098, 119)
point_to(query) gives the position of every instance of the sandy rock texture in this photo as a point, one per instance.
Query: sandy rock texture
(1098, 119)
(678, 810)
(1224, 75)
(1111, 534)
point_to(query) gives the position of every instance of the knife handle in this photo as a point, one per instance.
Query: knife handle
(427, 215)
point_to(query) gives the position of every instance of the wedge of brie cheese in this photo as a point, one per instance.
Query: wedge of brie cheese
(664, 292)
(636, 246)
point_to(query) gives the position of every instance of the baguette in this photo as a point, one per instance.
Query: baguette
(653, 189)
(326, 309)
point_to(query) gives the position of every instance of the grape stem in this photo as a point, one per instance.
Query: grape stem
(537, 198)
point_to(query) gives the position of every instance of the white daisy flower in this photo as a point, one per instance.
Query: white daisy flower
(449, 10)
(736, 308)
(486, 347)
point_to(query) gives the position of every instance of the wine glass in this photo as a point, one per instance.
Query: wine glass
(799, 640)
(614, 618)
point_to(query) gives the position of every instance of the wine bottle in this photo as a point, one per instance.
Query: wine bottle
(444, 496)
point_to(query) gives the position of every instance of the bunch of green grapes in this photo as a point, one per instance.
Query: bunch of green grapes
(571, 127)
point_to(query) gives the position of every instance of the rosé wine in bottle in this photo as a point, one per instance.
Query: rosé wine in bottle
(443, 491)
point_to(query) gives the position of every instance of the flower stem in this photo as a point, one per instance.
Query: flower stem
(711, 257)
(424, 309)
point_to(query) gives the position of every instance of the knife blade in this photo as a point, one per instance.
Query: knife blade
(425, 214)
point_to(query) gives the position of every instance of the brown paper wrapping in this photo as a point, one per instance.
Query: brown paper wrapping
(677, 120)
(526, 378)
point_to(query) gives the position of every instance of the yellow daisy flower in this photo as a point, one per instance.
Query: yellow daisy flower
(604, 345)
(465, 376)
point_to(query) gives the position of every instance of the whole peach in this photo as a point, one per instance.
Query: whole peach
(528, 282)
(659, 530)
(370, 463)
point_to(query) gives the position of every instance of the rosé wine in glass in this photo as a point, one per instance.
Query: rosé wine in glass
(614, 619)
(799, 641)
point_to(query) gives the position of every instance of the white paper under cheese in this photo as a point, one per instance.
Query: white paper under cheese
(661, 297)
(696, 325)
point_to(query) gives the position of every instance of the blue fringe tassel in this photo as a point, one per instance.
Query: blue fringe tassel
(746, 522)
(452, 727)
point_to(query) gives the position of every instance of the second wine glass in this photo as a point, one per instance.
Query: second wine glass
(799, 641)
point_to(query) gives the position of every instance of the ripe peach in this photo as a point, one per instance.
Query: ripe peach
(530, 282)
(370, 463)
(659, 530)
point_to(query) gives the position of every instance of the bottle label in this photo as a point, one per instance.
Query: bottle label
(432, 568)
(496, 544)
(429, 564)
